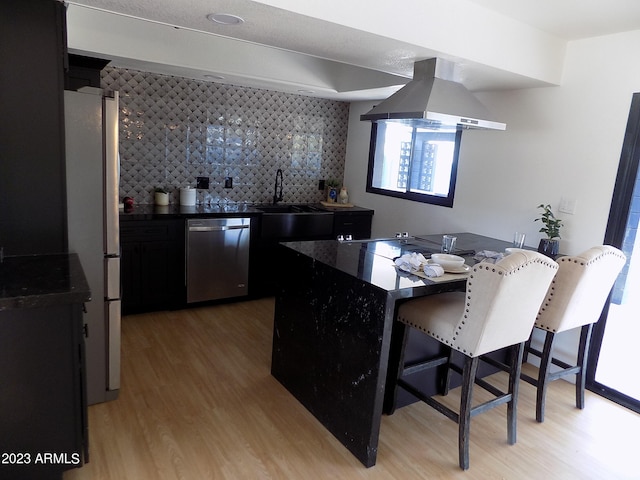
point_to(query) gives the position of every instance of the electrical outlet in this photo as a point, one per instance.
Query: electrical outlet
(202, 183)
(228, 182)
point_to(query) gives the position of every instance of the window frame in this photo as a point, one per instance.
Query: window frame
(409, 195)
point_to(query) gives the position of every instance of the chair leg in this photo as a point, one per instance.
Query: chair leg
(583, 354)
(464, 420)
(543, 375)
(517, 353)
(391, 399)
(445, 374)
(527, 346)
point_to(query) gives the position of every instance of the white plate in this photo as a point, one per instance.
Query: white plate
(463, 269)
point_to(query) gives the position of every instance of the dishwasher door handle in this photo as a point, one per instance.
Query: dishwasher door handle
(217, 228)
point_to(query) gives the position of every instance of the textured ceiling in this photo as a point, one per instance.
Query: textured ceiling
(288, 31)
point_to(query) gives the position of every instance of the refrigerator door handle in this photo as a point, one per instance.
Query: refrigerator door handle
(111, 175)
(112, 278)
(113, 334)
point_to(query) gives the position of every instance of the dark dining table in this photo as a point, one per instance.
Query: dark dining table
(333, 343)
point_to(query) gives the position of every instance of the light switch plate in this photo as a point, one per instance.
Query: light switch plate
(567, 205)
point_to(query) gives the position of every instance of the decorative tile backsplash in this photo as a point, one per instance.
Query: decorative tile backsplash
(173, 130)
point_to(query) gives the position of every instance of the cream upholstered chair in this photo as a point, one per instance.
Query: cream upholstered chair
(575, 299)
(496, 311)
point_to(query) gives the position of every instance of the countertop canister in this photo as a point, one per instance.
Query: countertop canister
(188, 196)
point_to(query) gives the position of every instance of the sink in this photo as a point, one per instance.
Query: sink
(284, 222)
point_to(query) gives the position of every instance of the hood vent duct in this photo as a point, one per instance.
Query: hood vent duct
(432, 97)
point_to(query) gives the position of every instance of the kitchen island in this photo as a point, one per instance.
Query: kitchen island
(332, 338)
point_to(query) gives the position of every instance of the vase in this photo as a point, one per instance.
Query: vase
(332, 195)
(549, 247)
(344, 196)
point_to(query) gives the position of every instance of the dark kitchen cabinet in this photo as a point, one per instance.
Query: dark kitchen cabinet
(152, 265)
(354, 223)
(43, 403)
(32, 175)
(83, 72)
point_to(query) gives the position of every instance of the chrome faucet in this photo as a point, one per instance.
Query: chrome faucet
(277, 194)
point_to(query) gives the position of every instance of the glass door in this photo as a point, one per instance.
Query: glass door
(611, 369)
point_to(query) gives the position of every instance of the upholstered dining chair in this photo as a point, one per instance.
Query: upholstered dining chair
(575, 299)
(496, 311)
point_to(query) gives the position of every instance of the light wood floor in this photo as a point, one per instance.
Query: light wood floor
(198, 402)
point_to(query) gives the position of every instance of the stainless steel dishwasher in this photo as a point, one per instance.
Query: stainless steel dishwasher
(217, 263)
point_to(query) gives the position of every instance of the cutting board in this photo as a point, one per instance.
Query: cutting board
(332, 204)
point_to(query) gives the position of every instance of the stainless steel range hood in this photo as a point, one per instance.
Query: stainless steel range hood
(433, 97)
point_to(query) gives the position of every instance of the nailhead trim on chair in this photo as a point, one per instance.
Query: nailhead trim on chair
(547, 299)
(563, 259)
(492, 268)
(437, 337)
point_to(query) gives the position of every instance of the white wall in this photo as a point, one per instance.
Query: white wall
(560, 141)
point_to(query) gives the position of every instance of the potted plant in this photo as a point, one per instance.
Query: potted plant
(551, 227)
(332, 186)
(161, 196)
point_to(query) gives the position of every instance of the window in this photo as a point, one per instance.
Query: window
(417, 162)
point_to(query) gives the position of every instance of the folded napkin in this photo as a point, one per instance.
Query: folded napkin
(433, 270)
(410, 261)
(488, 256)
(415, 262)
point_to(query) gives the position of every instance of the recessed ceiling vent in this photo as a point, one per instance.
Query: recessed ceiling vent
(433, 97)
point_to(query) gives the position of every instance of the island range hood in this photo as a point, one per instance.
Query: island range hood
(432, 97)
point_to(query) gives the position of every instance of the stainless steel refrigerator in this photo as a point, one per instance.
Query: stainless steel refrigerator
(92, 174)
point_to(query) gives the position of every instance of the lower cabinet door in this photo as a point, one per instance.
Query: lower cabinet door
(43, 410)
(152, 265)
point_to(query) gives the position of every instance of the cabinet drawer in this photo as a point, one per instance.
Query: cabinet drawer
(156, 231)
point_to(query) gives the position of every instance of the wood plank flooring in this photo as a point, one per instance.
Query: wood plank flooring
(198, 402)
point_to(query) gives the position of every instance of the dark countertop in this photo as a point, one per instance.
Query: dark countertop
(156, 212)
(338, 209)
(372, 260)
(32, 281)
